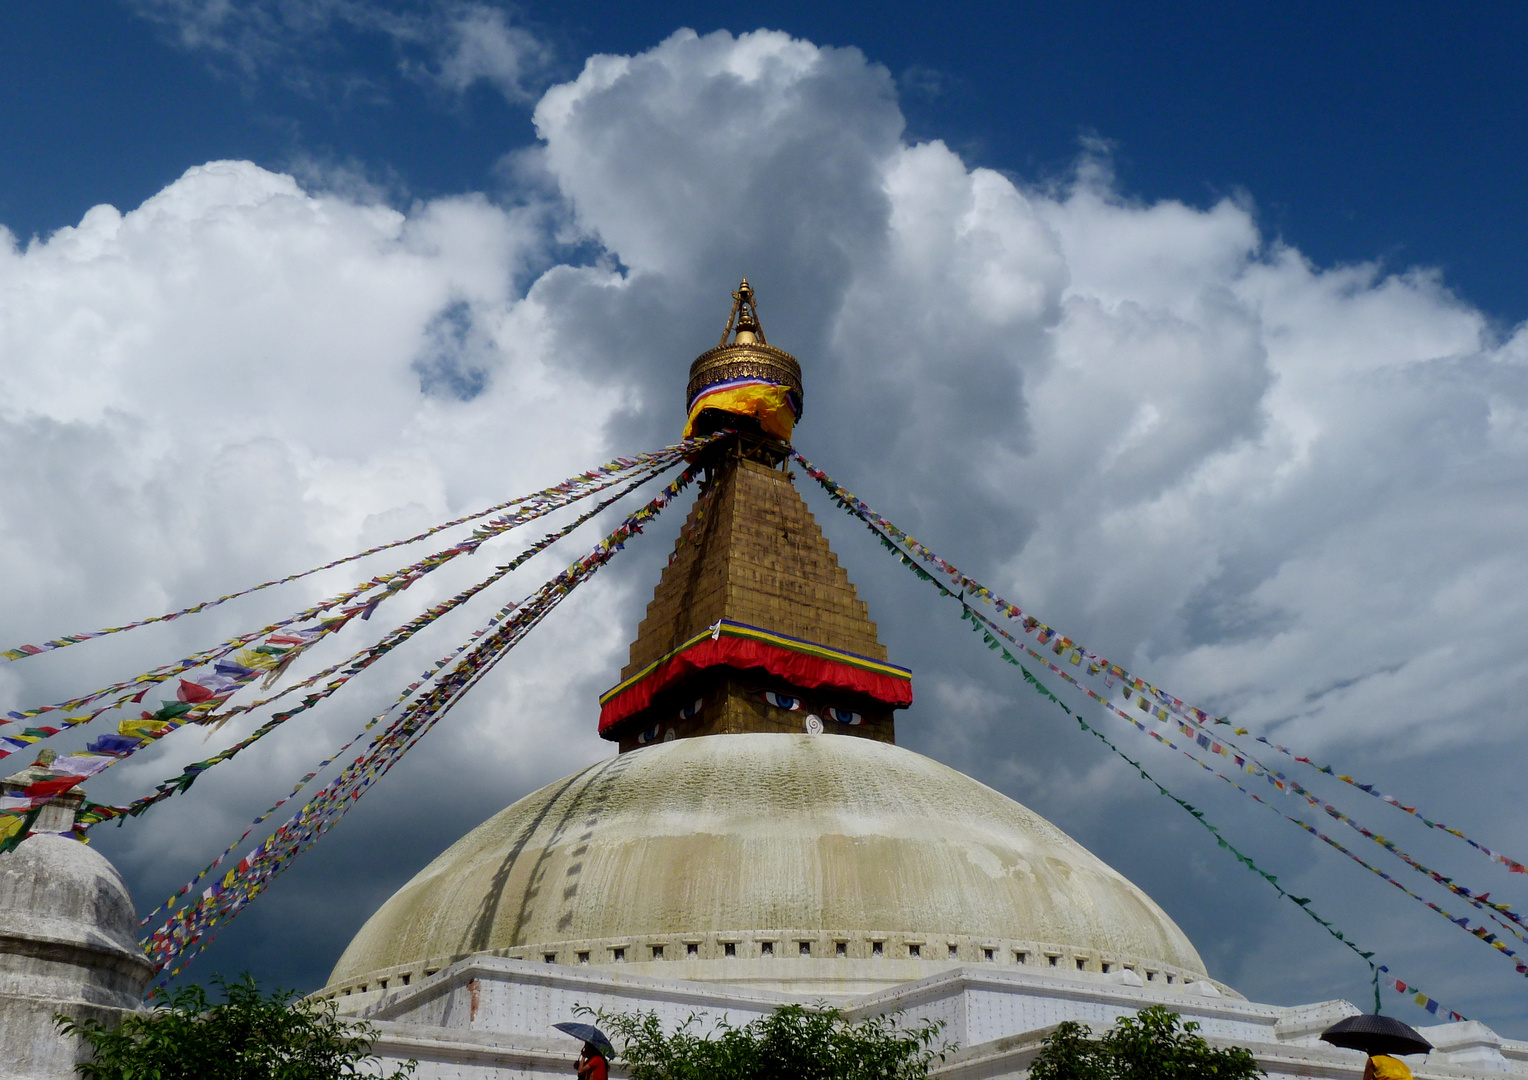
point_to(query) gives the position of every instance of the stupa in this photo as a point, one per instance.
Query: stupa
(759, 838)
(68, 939)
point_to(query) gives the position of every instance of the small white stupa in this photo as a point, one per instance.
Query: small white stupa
(68, 940)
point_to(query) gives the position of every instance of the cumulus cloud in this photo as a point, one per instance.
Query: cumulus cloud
(1285, 492)
(238, 377)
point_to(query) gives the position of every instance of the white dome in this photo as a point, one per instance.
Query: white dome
(779, 859)
(70, 906)
(68, 944)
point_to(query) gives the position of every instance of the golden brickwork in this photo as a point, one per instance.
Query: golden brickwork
(751, 552)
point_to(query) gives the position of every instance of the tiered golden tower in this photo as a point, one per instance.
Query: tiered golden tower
(754, 626)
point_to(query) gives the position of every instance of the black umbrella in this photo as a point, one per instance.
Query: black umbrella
(590, 1034)
(1374, 1034)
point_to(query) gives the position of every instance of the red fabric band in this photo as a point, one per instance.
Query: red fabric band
(799, 669)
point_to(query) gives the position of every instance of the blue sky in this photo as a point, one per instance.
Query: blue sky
(1359, 131)
(1202, 337)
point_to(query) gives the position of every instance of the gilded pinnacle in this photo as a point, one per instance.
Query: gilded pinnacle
(744, 319)
(744, 384)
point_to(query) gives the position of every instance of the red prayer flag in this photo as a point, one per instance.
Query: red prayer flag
(192, 692)
(43, 788)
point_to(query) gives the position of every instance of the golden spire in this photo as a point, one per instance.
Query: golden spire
(744, 318)
(754, 626)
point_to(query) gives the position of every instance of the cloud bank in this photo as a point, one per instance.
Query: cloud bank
(1289, 493)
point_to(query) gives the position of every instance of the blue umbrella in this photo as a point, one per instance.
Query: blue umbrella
(590, 1034)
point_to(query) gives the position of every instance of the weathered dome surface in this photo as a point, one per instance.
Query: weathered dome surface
(64, 907)
(719, 844)
(68, 944)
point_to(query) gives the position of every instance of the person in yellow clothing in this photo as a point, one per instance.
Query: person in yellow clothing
(1385, 1067)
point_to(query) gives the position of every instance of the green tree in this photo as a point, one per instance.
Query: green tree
(1155, 1044)
(247, 1036)
(793, 1041)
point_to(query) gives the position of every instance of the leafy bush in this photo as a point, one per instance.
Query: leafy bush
(793, 1041)
(247, 1036)
(1154, 1044)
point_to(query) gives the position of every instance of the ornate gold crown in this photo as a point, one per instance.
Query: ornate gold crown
(747, 356)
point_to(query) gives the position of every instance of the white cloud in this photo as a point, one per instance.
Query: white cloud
(1284, 491)
(227, 381)
(452, 44)
(478, 42)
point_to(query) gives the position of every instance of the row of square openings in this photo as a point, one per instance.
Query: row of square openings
(841, 949)
(382, 984)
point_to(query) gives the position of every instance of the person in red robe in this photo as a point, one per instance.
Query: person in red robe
(592, 1064)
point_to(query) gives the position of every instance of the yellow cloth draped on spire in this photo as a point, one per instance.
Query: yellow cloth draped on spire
(768, 403)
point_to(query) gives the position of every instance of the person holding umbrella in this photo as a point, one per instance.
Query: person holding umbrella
(594, 1061)
(1379, 1037)
(592, 1065)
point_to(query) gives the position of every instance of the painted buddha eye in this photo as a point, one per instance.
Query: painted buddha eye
(781, 701)
(650, 735)
(691, 709)
(844, 716)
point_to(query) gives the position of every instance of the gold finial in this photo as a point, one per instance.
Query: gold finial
(744, 318)
(745, 384)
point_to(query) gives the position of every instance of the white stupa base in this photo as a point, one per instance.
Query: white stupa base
(490, 1018)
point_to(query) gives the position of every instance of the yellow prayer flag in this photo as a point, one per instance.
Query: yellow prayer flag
(140, 728)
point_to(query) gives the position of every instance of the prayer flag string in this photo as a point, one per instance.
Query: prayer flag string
(187, 932)
(1124, 694)
(1418, 998)
(877, 524)
(93, 812)
(390, 584)
(1479, 901)
(1302, 902)
(617, 466)
(96, 813)
(302, 782)
(198, 697)
(980, 623)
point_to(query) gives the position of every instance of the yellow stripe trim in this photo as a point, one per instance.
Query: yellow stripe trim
(742, 630)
